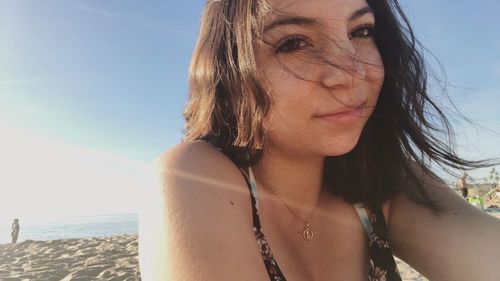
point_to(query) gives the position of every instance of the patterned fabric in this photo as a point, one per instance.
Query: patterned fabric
(272, 267)
(382, 266)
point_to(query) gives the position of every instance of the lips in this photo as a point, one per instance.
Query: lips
(345, 110)
(344, 114)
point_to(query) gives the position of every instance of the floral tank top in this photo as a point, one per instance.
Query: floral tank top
(382, 266)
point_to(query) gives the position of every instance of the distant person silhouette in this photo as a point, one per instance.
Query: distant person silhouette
(15, 230)
(462, 184)
(465, 192)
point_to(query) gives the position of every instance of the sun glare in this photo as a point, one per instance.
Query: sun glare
(43, 179)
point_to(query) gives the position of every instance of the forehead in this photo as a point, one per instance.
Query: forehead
(337, 10)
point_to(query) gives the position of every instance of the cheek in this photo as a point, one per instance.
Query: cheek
(379, 81)
(284, 97)
(370, 57)
(289, 113)
(375, 75)
(288, 95)
(376, 66)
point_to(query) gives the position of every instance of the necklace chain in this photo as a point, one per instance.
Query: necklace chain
(307, 233)
(307, 220)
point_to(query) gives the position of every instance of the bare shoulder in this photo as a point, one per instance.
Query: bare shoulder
(459, 243)
(197, 174)
(198, 223)
(192, 156)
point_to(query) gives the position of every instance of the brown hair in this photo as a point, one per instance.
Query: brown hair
(226, 100)
(227, 103)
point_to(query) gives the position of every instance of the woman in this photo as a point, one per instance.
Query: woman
(306, 156)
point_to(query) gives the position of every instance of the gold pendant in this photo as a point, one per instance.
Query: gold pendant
(308, 234)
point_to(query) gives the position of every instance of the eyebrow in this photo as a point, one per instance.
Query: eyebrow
(298, 20)
(295, 20)
(361, 12)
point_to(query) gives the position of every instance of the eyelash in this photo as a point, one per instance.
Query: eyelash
(289, 44)
(297, 42)
(369, 28)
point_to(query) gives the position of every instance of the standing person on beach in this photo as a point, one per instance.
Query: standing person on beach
(14, 234)
(462, 184)
(307, 154)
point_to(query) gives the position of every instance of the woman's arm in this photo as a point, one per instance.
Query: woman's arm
(461, 243)
(198, 224)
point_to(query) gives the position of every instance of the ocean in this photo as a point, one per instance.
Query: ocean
(74, 227)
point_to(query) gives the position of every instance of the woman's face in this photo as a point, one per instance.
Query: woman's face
(323, 72)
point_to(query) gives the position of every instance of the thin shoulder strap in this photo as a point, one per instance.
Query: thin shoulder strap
(272, 267)
(254, 196)
(381, 256)
(363, 216)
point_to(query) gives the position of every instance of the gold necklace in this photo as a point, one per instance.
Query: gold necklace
(307, 233)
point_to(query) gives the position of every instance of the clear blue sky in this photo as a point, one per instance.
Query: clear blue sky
(109, 77)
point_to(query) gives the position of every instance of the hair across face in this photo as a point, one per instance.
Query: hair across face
(323, 72)
(229, 96)
(274, 68)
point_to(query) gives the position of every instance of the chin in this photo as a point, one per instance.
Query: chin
(341, 146)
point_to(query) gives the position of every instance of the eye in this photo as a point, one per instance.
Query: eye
(363, 31)
(291, 44)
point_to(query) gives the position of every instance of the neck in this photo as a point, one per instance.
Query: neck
(297, 180)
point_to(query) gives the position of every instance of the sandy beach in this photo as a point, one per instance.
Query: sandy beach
(111, 258)
(408, 273)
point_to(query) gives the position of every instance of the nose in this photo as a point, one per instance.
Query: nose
(342, 67)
